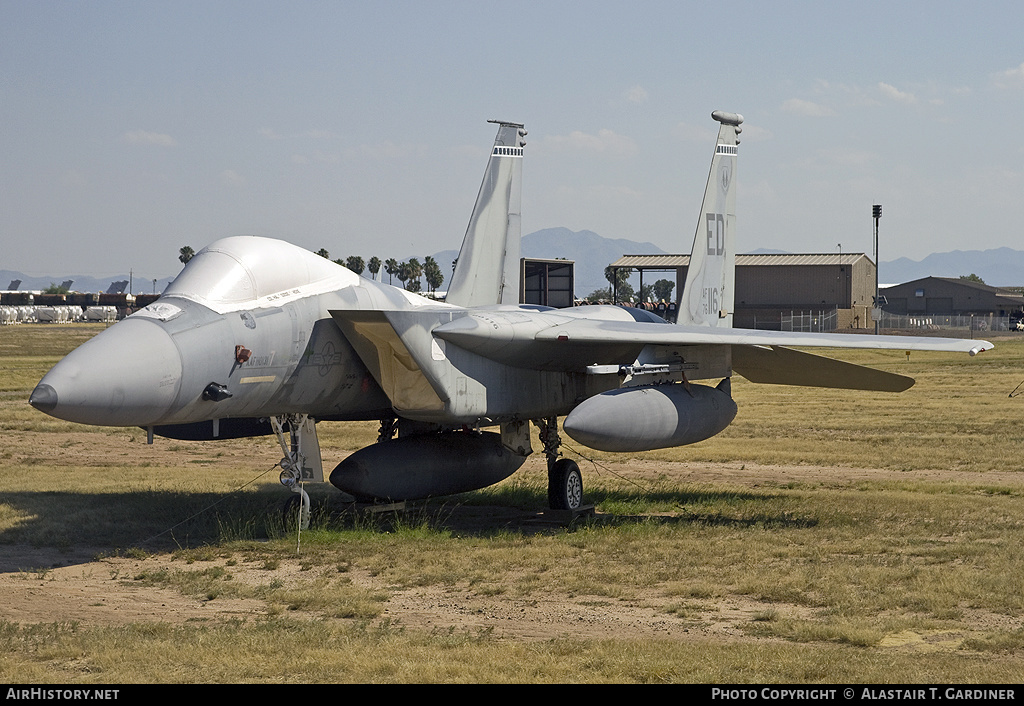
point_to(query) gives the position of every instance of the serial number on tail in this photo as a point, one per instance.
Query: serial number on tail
(709, 300)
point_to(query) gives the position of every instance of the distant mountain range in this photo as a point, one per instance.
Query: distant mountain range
(1001, 267)
(80, 283)
(587, 249)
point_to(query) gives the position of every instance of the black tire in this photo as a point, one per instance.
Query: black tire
(565, 485)
(290, 512)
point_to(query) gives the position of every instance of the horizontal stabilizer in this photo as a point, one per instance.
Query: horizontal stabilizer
(785, 366)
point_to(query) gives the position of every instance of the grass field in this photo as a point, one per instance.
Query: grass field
(826, 536)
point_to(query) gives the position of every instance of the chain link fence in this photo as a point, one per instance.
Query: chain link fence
(820, 321)
(825, 320)
(932, 322)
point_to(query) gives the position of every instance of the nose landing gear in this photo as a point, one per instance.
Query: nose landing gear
(301, 463)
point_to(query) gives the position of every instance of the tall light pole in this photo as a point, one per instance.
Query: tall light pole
(876, 213)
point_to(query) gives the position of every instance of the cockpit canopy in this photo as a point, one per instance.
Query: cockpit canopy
(245, 269)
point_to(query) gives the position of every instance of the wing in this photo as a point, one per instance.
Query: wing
(574, 343)
(586, 331)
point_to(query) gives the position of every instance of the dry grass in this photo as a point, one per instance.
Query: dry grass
(285, 651)
(836, 569)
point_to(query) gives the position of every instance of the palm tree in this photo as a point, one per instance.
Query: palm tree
(186, 254)
(374, 266)
(391, 267)
(323, 253)
(432, 271)
(618, 278)
(415, 272)
(355, 263)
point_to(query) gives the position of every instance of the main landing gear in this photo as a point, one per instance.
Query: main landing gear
(565, 482)
(565, 485)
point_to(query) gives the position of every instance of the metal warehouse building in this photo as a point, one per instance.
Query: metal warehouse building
(951, 296)
(769, 287)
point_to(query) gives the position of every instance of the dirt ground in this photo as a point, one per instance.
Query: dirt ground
(100, 592)
(84, 584)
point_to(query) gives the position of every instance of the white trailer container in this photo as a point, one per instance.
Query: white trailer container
(101, 314)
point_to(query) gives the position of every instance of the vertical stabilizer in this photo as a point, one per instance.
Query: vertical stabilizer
(487, 271)
(707, 297)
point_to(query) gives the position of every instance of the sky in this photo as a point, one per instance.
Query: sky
(131, 129)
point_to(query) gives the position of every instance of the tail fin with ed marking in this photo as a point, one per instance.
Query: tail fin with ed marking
(707, 297)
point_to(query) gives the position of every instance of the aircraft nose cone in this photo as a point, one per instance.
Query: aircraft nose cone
(43, 398)
(128, 375)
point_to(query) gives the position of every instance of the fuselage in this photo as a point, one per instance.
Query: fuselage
(242, 332)
(246, 332)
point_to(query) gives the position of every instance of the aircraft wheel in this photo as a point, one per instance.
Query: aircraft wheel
(565, 485)
(290, 510)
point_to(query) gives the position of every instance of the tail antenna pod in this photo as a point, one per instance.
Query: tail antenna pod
(725, 118)
(734, 119)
